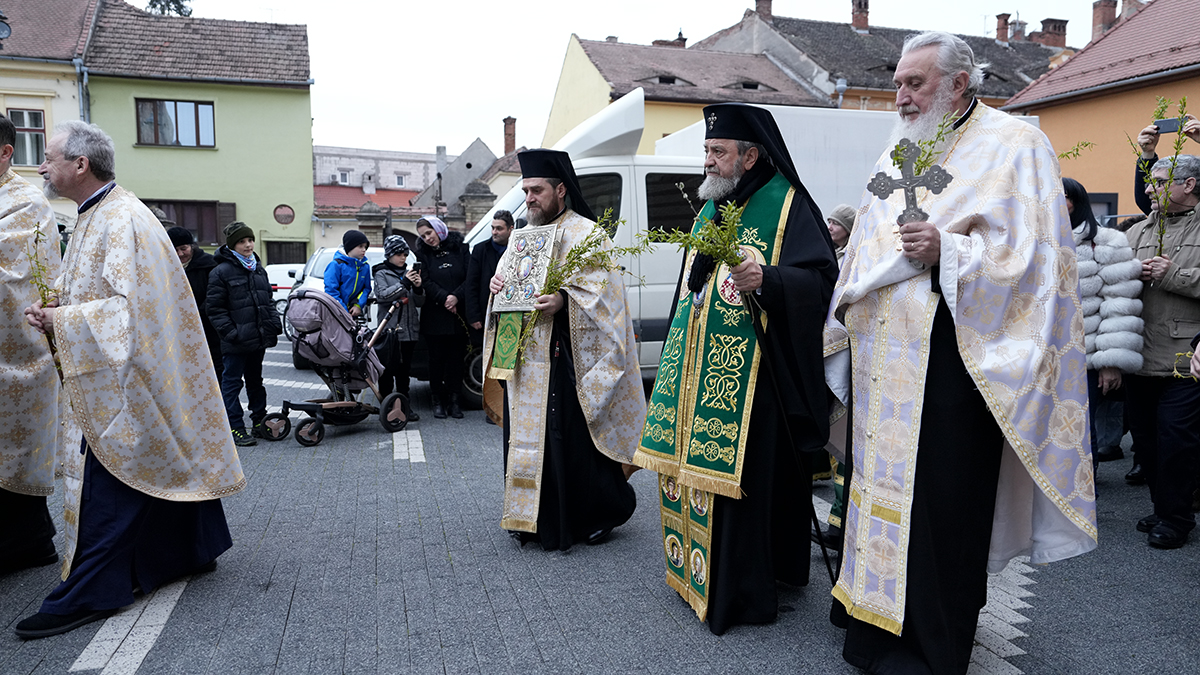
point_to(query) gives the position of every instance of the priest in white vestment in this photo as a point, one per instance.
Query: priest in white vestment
(148, 453)
(29, 429)
(957, 345)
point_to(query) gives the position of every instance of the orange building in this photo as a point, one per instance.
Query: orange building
(1109, 90)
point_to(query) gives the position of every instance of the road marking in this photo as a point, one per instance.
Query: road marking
(408, 445)
(999, 617)
(125, 639)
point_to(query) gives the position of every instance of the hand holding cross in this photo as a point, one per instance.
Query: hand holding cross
(920, 241)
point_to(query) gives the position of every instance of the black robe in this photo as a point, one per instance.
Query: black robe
(764, 536)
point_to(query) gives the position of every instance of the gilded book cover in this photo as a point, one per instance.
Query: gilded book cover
(530, 250)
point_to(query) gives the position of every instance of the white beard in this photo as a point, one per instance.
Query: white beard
(716, 187)
(49, 191)
(925, 126)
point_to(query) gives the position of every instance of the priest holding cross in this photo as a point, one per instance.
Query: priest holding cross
(954, 345)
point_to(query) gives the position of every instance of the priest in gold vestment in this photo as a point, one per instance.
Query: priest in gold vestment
(148, 454)
(574, 401)
(957, 345)
(29, 429)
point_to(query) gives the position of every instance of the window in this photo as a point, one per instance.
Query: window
(203, 219)
(283, 252)
(602, 191)
(343, 178)
(178, 123)
(399, 181)
(30, 149)
(666, 209)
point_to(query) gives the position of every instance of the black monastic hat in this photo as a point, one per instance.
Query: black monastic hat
(542, 163)
(743, 122)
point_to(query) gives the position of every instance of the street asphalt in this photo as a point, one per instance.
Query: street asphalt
(378, 554)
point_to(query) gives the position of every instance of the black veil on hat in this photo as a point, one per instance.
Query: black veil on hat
(542, 163)
(743, 122)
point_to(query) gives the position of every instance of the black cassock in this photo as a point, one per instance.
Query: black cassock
(764, 536)
(583, 491)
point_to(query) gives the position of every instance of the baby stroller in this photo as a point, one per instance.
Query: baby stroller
(342, 354)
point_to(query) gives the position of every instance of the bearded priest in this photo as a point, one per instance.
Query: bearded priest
(737, 406)
(957, 345)
(572, 400)
(148, 453)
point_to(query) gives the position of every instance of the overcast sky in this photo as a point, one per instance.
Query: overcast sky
(415, 74)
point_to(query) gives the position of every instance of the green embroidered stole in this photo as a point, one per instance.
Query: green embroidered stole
(697, 423)
(508, 341)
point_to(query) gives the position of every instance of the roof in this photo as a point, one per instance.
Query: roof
(1162, 36)
(349, 199)
(506, 164)
(707, 76)
(128, 42)
(869, 59)
(48, 29)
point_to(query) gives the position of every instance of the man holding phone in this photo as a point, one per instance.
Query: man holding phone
(1148, 142)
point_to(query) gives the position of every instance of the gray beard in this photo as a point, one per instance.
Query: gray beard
(49, 191)
(925, 126)
(716, 187)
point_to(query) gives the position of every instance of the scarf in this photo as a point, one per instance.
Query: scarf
(249, 263)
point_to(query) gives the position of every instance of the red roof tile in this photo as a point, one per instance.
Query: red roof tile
(1163, 35)
(48, 29)
(131, 43)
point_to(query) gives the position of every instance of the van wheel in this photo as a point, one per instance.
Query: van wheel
(472, 389)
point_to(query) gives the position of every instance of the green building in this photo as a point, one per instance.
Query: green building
(211, 119)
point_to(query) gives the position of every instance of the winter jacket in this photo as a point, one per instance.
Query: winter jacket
(443, 273)
(391, 288)
(1170, 306)
(197, 271)
(240, 305)
(348, 279)
(481, 269)
(1109, 287)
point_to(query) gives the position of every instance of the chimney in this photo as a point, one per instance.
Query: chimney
(1018, 31)
(858, 16)
(1002, 27)
(763, 9)
(611, 38)
(1052, 34)
(1104, 15)
(1130, 7)
(679, 42)
(510, 135)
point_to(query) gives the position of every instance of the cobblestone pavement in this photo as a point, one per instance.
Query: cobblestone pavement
(377, 553)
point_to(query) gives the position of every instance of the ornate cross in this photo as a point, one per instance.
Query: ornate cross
(935, 179)
(712, 120)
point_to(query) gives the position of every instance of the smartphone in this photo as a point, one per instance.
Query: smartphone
(1168, 126)
(416, 266)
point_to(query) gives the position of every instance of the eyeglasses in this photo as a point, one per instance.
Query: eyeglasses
(1160, 182)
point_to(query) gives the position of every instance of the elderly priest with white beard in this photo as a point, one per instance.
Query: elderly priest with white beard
(957, 343)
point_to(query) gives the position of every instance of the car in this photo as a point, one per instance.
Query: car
(281, 282)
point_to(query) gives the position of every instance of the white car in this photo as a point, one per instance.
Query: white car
(282, 277)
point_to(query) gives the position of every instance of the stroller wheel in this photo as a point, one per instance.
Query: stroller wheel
(278, 426)
(391, 412)
(310, 431)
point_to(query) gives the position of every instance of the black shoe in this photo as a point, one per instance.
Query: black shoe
(45, 555)
(1135, 476)
(242, 439)
(1165, 536)
(43, 625)
(439, 410)
(832, 536)
(413, 416)
(1109, 453)
(452, 407)
(1148, 523)
(598, 536)
(260, 430)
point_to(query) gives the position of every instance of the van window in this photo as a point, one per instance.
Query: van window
(602, 191)
(666, 207)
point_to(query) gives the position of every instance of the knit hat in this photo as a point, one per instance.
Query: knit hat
(353, 239)
(237, 231)
(437, 225)
(843, 215)
(394, 245)
(180, 237)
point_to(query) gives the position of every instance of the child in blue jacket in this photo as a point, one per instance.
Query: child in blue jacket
(348, 277)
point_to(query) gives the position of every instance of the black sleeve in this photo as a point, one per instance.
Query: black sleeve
(1139, 186)
(795, 297)
(473, 289)
(461, 288)
(218, 303)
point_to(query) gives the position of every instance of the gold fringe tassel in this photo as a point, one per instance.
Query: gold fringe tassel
(656, 463)
(865, 615)
(721, 486)
(519, 525)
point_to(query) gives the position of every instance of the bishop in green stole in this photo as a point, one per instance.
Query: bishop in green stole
(734, 499)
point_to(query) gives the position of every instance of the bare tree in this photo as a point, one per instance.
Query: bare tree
(179, 7)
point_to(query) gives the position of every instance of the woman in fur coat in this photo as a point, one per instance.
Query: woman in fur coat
(1109, 286)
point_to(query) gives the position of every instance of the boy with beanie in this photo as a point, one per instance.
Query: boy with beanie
(348, 277)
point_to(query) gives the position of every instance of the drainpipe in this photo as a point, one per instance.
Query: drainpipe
(81, 78)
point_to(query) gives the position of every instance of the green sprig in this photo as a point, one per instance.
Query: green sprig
(1163, 196)
(1076, 150)
(928, 156)
(719, 241)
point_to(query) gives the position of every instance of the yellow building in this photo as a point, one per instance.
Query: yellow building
(678, 83)
(1107, 93)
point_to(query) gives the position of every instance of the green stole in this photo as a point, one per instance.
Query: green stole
(699, 413)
